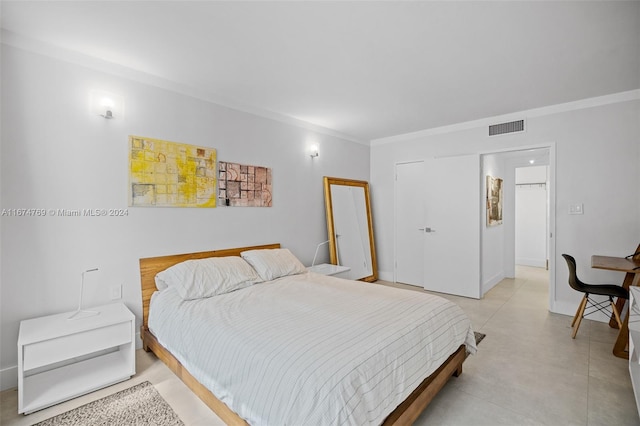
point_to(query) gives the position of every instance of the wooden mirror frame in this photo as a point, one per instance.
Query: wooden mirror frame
(333, 251)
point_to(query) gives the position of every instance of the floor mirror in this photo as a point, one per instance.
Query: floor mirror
(350, 228)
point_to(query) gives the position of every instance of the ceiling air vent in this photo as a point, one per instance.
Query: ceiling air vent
(502, 128)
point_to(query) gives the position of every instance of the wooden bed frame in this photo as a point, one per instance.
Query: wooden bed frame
(405, 414)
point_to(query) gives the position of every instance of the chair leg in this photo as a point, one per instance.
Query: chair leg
(579, 315)
(580, 310)
(616, 313)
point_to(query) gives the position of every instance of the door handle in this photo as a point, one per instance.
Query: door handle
(429, 230)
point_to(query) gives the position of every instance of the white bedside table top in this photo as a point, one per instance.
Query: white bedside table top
(328, 269)
(51, 326)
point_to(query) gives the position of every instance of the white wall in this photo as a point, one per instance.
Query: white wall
(492, 236)
(597, 156)
(56, 155)
(531, 216)
(533, 174)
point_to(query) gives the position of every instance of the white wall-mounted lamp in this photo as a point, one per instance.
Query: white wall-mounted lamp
(313, 151)
(106, 104)
(80, 313)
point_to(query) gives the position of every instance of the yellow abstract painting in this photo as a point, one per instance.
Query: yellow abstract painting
(170, 174)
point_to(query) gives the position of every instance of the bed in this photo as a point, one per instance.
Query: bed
(315, 359)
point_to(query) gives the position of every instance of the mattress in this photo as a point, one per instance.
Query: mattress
(311, 349)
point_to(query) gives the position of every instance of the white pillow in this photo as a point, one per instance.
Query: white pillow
(198, 278)
(273, 263)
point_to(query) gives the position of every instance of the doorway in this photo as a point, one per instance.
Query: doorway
(505, 241)
(497, 260)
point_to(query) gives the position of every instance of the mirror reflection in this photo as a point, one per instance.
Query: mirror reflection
(349, 226)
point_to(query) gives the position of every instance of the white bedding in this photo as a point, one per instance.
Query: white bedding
(310, 349)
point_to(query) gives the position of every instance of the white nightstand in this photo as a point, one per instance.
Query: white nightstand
(329, 269)
(60, 359)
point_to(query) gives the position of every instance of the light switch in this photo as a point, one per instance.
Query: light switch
(576, 208)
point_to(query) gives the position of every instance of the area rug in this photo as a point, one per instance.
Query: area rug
(137, 406)
(479, 336)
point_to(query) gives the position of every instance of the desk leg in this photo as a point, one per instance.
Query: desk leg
(628, 281)
(620, 347)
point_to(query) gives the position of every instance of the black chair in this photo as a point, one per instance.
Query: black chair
(610, 290)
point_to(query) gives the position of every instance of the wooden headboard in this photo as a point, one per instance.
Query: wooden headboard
(150, 266)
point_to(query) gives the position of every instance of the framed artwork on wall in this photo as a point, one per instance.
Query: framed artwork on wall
(241, 185)
(494, 201)
(170, 174)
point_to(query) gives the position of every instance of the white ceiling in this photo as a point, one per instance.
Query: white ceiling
(364, 69)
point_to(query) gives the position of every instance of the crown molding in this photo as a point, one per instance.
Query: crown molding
(39, 47)
(42, 48)
(613, 98)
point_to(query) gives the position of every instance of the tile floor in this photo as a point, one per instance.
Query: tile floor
(528, 370)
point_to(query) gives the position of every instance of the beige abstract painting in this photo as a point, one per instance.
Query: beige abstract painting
(494, 201)
(241, 185)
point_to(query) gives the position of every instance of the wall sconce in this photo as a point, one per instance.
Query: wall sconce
(313, 151)
(107, 105)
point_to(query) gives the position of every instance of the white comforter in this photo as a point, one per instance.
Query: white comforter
(310, 349)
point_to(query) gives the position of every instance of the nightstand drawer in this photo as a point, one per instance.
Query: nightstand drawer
(48, 352)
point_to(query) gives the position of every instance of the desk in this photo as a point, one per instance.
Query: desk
(632, 269)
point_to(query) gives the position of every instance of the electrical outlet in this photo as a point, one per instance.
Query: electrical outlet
(116, 292)
(576, 208)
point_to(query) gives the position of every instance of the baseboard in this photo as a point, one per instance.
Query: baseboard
(385, 276)
(538, 263)
(564, 308)
(491, 282)
(9, 378)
